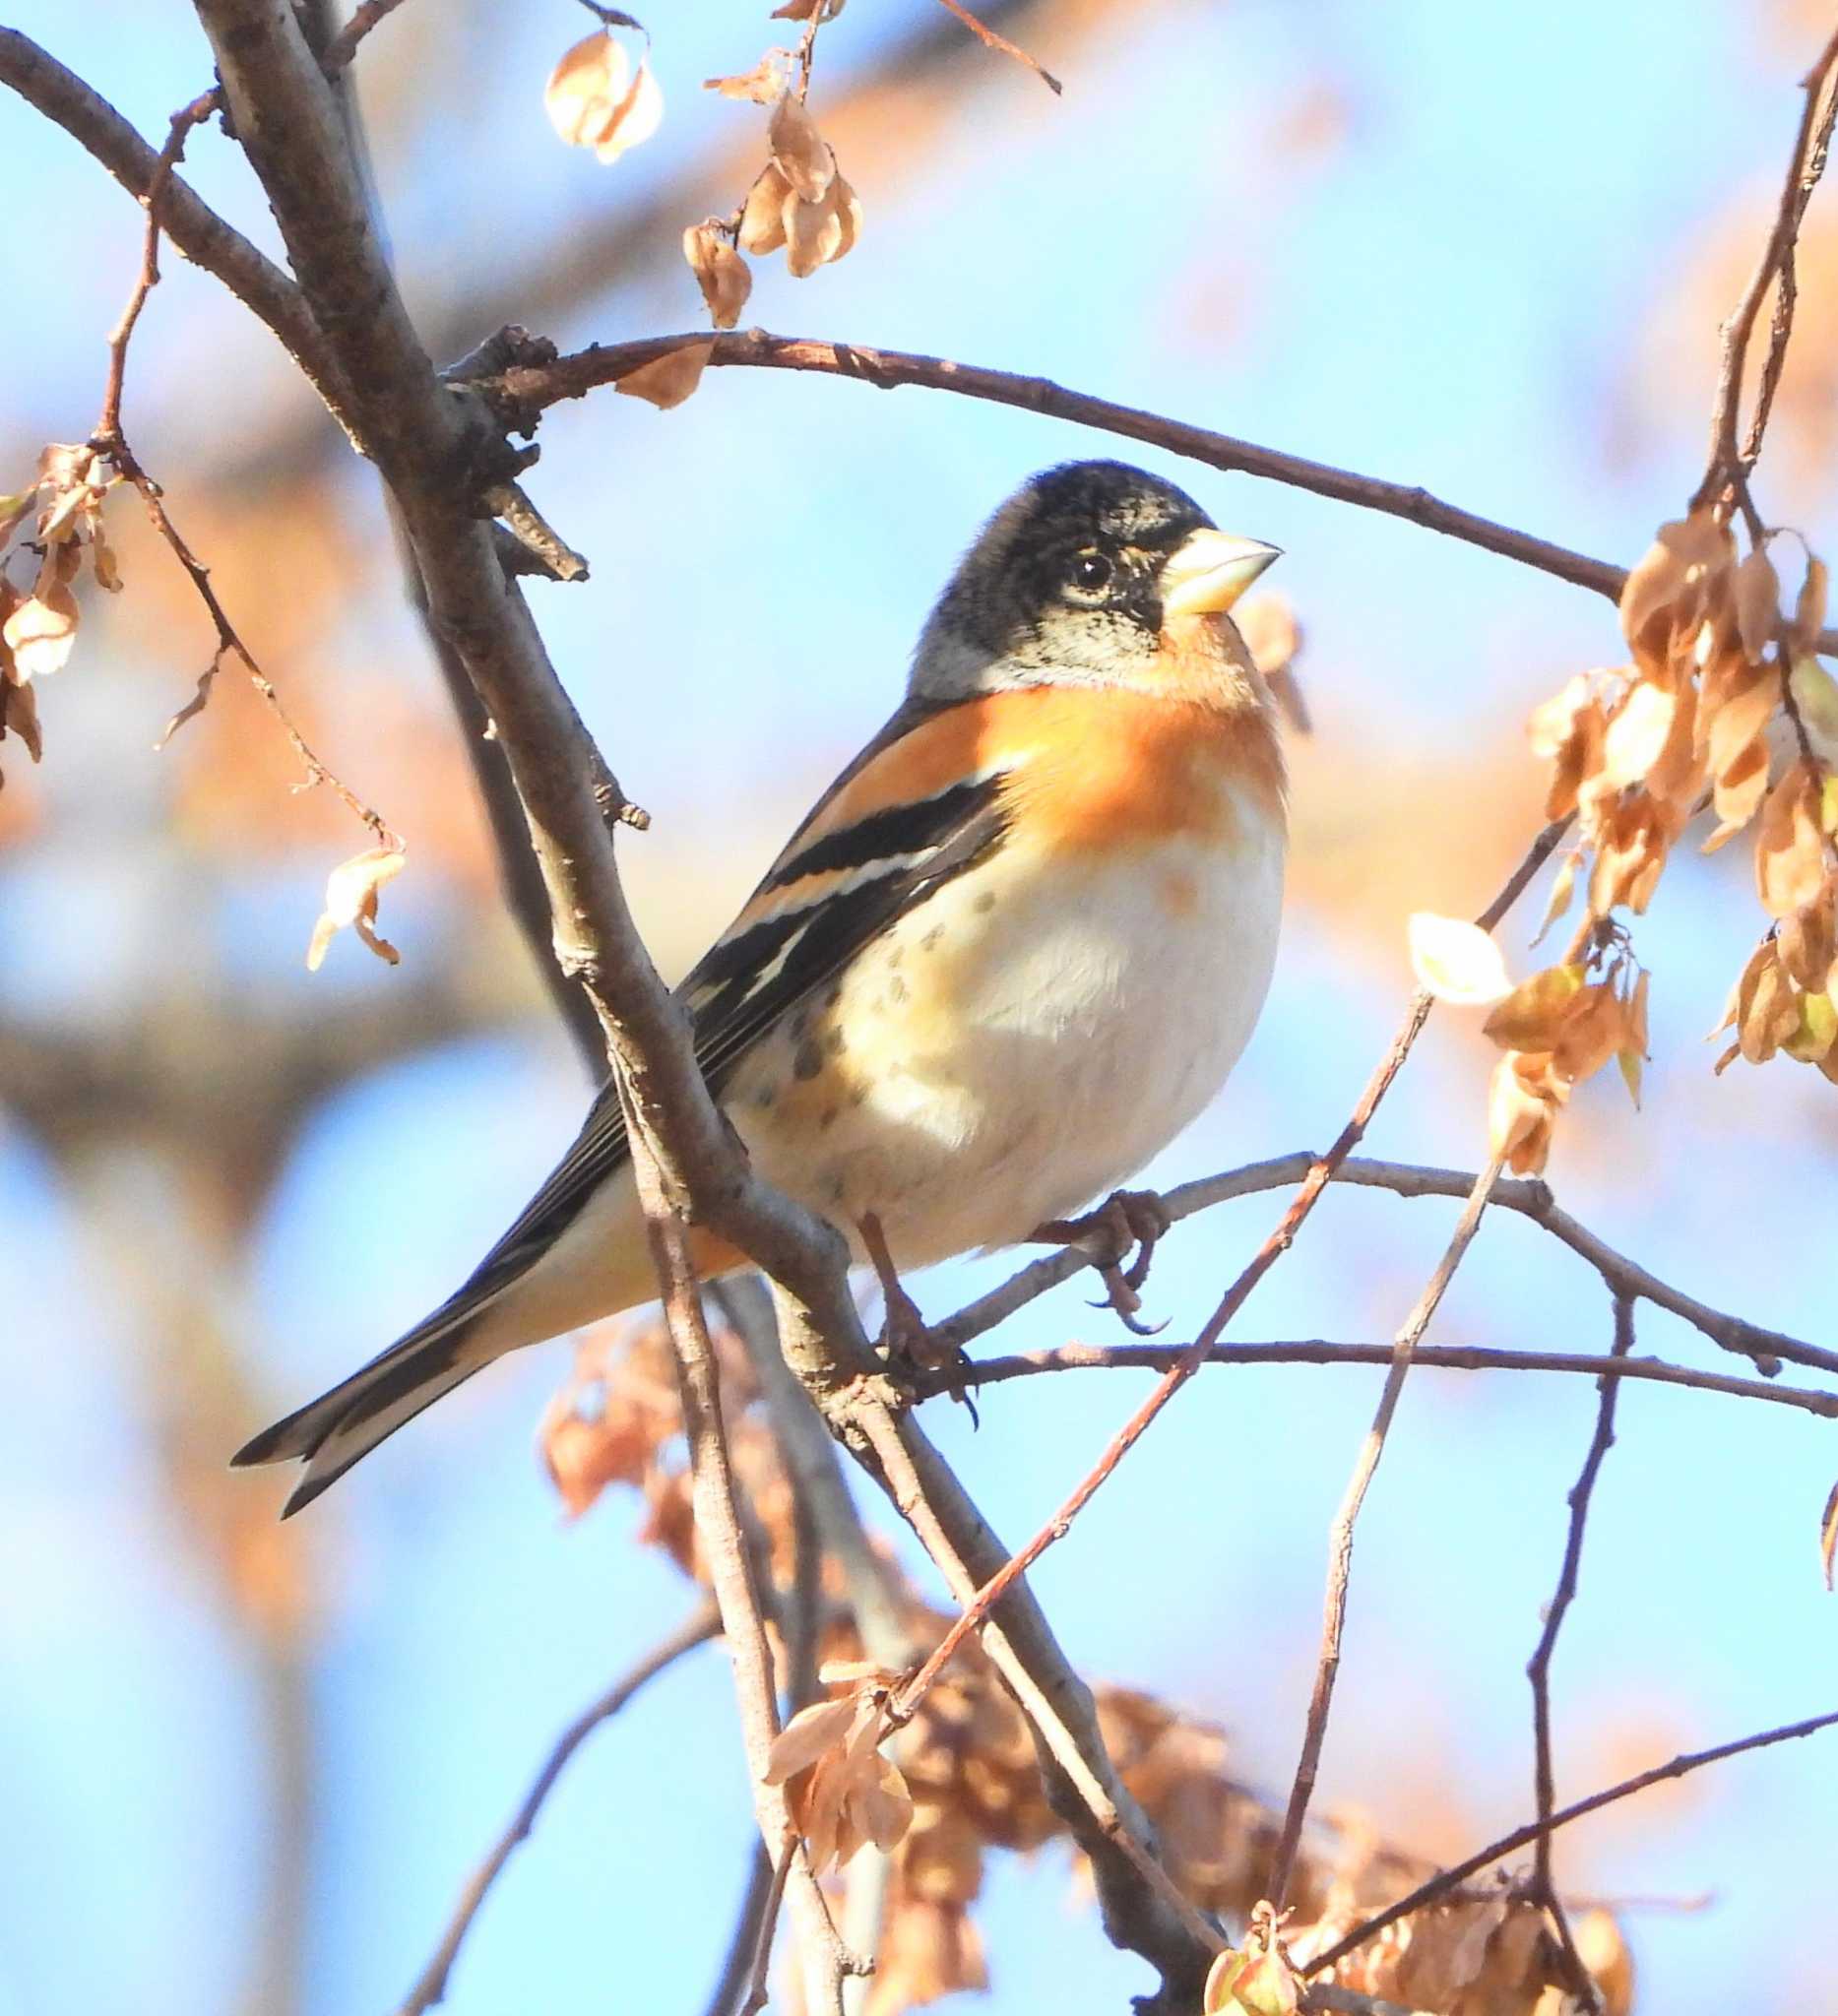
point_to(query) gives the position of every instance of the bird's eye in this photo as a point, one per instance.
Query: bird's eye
(1091, 571)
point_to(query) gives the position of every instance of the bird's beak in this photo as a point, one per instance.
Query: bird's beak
(1208, 572)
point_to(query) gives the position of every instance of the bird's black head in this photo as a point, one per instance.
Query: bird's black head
(1070, 583)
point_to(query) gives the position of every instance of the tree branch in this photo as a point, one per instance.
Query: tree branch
(702, 1624)
(1159, 1358)
(534, 387)
(1440, 1885)
(194, 229)
(1812, 144)
(1340, 1537)
(1538, 1667)
(1529, 1196)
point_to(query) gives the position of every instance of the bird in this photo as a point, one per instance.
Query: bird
(1012, 951)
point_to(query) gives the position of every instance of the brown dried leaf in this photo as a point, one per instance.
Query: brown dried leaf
(1828, 1536)
(813, 233)
(595, 98)
(41, 628)
(1790, 851)
(1757, 604)
(1810, 606)
(1671, 577)
(1739, 789)
(1808, 941)
(19, 715)
(351, 898)
(800, 152)
(721, 273)
(762, 221)
(1768, 1011)
(1736, 711)
(823, 1725)
(1593, 1029)
(1530, 1016)
(1523, 1099)
(668, 380)
(760, 85)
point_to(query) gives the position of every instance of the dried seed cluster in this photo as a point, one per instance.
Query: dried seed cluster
(50, 526)
(1724, 709)
(960, 1779)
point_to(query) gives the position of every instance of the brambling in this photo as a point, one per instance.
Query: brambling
(1014, 949)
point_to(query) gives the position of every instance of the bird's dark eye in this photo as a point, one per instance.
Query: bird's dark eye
(1091, 571)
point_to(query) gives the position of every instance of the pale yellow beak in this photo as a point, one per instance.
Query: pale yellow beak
(1208, 572)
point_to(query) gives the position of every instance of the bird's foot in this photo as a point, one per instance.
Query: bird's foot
(1128, 1222)
(911, 1342)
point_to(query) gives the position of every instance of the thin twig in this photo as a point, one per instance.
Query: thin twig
(107, 433)
(343, 45)
(1159, 1358)
(702, 1624)
(988, 38)
(581, 371)
(1340, 1537)
(1538, 1667)
(1439, 1886)
(1528, 1197)
(757, 1993)
(1726, 464)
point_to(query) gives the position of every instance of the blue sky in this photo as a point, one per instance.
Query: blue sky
(1452, 294)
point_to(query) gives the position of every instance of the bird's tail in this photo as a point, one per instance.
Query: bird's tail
(334, 1431)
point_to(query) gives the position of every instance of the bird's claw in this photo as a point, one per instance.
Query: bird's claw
(1128, 1222)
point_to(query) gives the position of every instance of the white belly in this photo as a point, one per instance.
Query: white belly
(1105, 1020)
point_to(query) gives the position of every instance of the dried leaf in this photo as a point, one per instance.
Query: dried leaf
(1815, 694)
(351, 898)
(1757, 604)
(721, 273)
(1810, 606)
(1737, 713)
(762, 221)
(1457, 961)
(595, 98)
(1562, 889)
(1790, 851)
(1740, 788)
(19, 715)
(801, 152)
(813, 233)
(668, 380)
(1530, 1016)
(1670, 578)
(1808, 941)
(1636, 733)
(823, 1725)
(638, 116)
(41, 629)
(1593, 1029)
(1813, 1036)
(1524, 1095)
(761, 85)
(1828, 1536)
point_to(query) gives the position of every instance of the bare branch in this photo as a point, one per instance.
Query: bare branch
(1538, 1667)
(343, 45)
(1340, 1537)
(1529, 1197)
(574, 375)
(1728, 465)
(988, 38)
(1159, 1358)
(1449, 1879)
(192, 225)
(702, 1624)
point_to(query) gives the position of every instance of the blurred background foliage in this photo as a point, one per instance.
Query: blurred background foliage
(1484, 249)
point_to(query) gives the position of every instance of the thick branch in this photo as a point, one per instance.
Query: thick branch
(573, 376)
